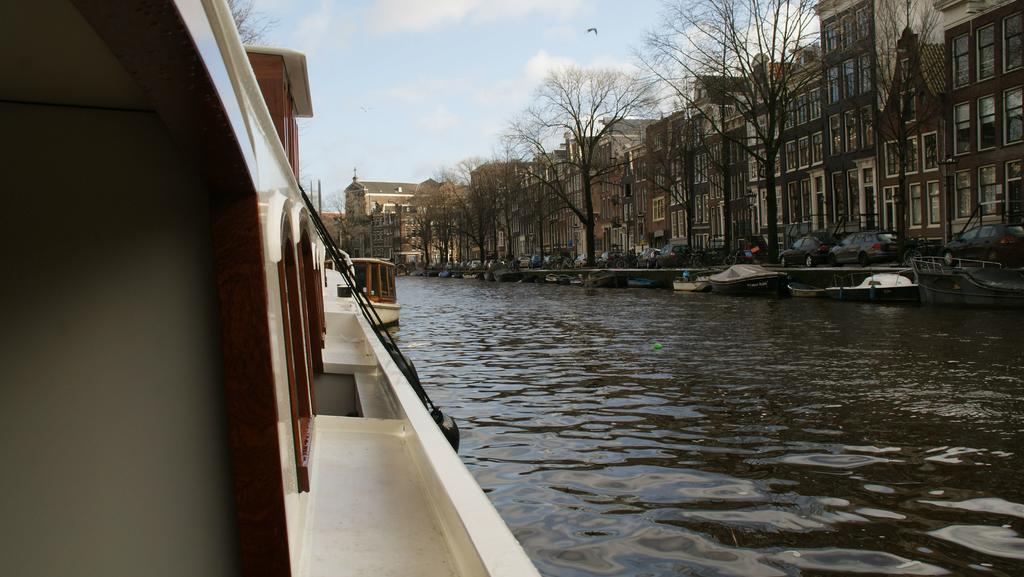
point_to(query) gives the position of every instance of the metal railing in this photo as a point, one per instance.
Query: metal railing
(938, 264)
(343, 266)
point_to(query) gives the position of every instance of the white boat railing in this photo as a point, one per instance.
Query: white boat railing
(938, 264)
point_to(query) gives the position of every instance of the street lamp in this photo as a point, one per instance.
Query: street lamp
(948, 167)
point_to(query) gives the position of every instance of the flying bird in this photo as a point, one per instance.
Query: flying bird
(589, 30)
(365, 109)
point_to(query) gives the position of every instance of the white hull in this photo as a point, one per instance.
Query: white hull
(388, 312)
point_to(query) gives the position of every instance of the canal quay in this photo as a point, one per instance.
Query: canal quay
(657, 433)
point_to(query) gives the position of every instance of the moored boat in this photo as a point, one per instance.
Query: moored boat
(802, 290)
(507, 275)
(377, 279)
(878, 287)
(214, 403)
(968, 283)
(641, 282)
(601, 279)
(748, 279)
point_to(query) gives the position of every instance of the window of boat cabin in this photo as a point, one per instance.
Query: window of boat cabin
(297, 362)
(312, 310)
(361, 277)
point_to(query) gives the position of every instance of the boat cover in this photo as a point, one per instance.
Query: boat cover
(742, 272)
(1000, 279)
(885, 280)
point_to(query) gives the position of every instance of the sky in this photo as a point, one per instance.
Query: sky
(401, 88)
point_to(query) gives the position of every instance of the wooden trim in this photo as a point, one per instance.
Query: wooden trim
(298, 374)
(151, 41)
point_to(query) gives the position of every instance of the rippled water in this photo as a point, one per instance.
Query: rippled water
(763, 437)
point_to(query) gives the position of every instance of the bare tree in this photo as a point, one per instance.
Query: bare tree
(253, 25)
(580, 108)
(737, 59)
(910, 82)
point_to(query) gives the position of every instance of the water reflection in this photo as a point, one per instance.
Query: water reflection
(763, 437)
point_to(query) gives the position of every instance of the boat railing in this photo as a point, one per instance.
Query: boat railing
(344, 266)
(938, 264)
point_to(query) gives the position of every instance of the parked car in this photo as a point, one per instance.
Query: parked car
(649, 257)
(808, 250)
(1002, 243)
(864, 248)
(673, 255)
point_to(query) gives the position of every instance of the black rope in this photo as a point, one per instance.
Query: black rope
(370, 313)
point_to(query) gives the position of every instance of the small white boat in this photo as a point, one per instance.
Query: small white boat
(880, 287)
(698, 285)
(801, 290)
(377, 277)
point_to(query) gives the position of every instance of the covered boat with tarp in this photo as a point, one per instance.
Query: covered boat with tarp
(748, 279)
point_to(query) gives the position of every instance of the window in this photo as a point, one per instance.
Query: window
(892, 159)
(1013, 189)
(911, 157)
(791, 155)
(987, 189)
(815, 104)
(833, 84)
(851, 130)
(850, 78)
(1013, 49)
(794, 202)
(931, 151)
(836, 134)
(961, 69)
(816, 147)
(868, 174)
(865, 73)
(837, 193)
(962, 135)
(658, 209)
(986, 52)
(986, 122)
(805, 199)
(868, 119)
(790, 113)
(801, 109)
(853, 193)
(863, 23)
(831, 38)
(849, 32)
(915, 204)
(963, 194)
(909, 106)
(1013, 115)
(934, 208)
(805, 152)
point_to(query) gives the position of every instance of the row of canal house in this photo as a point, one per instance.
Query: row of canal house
(943, 95)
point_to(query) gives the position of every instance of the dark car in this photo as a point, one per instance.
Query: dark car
(673, 255)
(1002, 243)
(808, 250)
(649, 257)
(865, 248)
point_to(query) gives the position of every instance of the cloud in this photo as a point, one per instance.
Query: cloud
(393, 16)
(515, 92)
(320, 30)
(440, 120)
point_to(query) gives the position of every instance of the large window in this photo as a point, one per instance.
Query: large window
(851, 130)
(987, 189)
(961, 60)
(1013, 115)
(805, 152)
(892, 159)
(915, 204)
(816, 148)
(833, 84)
(1013, 47)
(853, 194)
(815, 103)
(863, 23)
(986, 122)
(865, 73)
(931, 151)
(868, 119)
(934, 206)
(835, 134)
(658, 209)
(911, 157)
(962, 135)
(849, 78)
(801, 109)
(791, 160)
(986, 38)
(963, 194)
(831, 37)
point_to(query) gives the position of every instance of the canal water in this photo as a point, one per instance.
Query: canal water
(650, 433)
